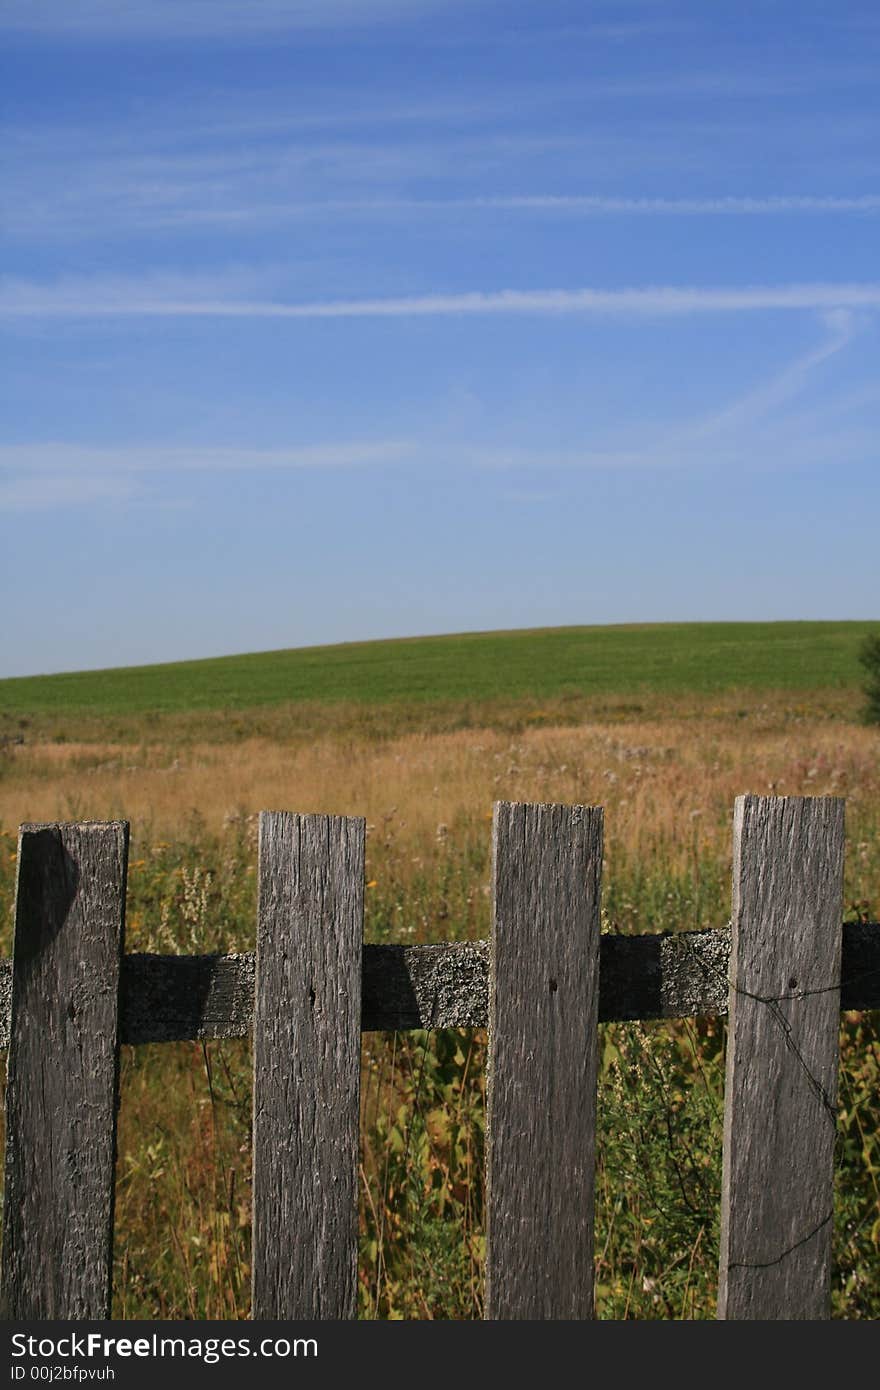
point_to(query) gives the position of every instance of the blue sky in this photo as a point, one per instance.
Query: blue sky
(338, 319)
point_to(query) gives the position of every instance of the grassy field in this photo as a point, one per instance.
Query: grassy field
(556, 663)
(424, 764)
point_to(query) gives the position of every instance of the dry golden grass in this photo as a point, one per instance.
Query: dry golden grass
(667, 782)
(667, 775)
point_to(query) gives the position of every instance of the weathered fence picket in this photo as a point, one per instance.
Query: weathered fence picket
(543, 1056)
(542, 985)
(780, 1116)
(63, 1071)
(307, 1039)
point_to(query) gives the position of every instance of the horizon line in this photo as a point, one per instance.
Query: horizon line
(440, 636)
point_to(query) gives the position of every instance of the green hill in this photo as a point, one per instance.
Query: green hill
(549, 663)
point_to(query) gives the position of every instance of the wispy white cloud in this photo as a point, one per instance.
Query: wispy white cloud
(166, 297)
(100, 294)
(245, 183)
(46, 476)
(751, 431)
(600, 204)
(244, 160)
(63, 457)
(264, 163)
(759, 451)
(37, 494)
(268, 188)
(781, 385)
(185, 18)
(172, 205)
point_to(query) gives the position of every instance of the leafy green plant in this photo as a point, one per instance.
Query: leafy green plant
(869, 656)
(855, 1292)
(422, 1243)
(658, 1171)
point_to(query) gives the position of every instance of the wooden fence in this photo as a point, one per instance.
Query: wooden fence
(782, 971)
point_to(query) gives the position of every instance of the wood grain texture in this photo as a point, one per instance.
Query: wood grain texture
(307, 1024)
(782, 1057)
(659, 975)
(63, 1072)
(543, 1049)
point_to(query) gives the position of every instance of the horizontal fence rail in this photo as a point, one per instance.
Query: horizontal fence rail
(781, 971)
(654, 975)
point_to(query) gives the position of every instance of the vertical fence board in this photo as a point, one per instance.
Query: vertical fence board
(782, 1055)
(543, 1047)
(63, 1071)
(307, 1031)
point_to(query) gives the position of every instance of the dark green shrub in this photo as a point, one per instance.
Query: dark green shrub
(869, 656)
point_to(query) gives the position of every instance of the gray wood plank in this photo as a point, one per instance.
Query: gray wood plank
(307, 1018)
(175, 998)
(441, 986)
(657, 975)
(63, 1071)
(543, 1051)
(860, 966)
(782, 1056)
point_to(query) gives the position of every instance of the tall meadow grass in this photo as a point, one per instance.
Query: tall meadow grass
(667, 776)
